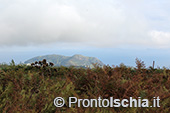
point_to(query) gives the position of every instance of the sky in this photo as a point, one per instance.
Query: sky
(115, 31)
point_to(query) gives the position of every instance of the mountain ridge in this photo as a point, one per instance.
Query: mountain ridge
(61, 60)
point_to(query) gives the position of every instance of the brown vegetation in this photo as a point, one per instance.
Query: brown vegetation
(32, 89)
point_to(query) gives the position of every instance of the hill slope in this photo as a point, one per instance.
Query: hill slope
(60, 60)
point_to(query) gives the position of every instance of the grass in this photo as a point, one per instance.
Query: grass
(32, 89)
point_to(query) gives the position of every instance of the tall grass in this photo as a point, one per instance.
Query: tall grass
(32, 89)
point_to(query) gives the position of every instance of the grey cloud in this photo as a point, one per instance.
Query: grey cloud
(96, 23)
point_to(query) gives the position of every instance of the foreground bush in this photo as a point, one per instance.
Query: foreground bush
(31, 89)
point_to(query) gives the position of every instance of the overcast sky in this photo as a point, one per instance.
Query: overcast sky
(27, 25)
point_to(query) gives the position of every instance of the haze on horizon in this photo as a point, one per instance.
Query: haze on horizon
(114, 31)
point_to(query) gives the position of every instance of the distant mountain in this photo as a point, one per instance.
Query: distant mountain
(60, 60)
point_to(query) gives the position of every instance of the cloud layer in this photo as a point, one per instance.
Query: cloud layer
(98, 23)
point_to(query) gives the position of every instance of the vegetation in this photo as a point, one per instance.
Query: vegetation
(33, 88)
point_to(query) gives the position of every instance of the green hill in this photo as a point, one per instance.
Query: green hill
(60, 60)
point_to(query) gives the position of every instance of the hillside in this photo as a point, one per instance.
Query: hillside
(60, 60)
